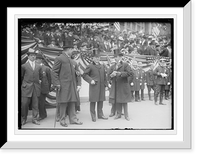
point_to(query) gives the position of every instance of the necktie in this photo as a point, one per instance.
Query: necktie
(33, 65)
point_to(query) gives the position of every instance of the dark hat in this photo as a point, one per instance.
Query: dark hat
(39, 56)
(95, 53)
(67, 46)
(31, 51)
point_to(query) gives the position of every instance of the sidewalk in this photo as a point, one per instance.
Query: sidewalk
(143, 115)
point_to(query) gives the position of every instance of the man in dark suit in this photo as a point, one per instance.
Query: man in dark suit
(95, 75)
(64, 77)
(160, 73)
(45, 86)
(120, 92)
(150, 80)
(31, 75)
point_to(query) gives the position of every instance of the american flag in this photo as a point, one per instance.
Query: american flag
(117, 26)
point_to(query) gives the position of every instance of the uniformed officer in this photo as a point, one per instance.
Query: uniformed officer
(168, 82)
(135, 82)
(150, 81)
(160, 81)
(142, 79)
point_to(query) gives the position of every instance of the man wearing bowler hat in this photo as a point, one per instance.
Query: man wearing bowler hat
(120, 93)
(45, 85)
(160, 74)
(95, 75)
(64, 77)
(31, 74)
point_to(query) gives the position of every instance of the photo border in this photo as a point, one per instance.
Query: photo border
(125, 140)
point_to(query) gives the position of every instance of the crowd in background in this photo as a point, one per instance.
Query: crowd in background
(127, 41)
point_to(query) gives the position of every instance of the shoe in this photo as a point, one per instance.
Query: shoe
(103, 117)
(150, 99)
(64, 124)
(143, 100)
(111, 115)
(36, 122)
(156, 103)
(162, 104)
(41, 118)
(94, 120)
(77, 123)
(23, 122)
(127, 118)
(117, 117)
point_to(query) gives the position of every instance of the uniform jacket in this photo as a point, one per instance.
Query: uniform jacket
(98, 74)
(30, 79)
(65, 73)
(158, 78)
(120, 85)
(46, 80)
(168, 79)
(135, 79)
(142, 78)
(150, 77)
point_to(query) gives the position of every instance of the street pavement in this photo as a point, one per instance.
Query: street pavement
(143, 115)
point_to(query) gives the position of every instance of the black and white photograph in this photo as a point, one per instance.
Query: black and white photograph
(92, 78)
(96, 74)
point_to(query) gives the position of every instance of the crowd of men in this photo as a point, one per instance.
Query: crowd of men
(125, 82)
(127, 41)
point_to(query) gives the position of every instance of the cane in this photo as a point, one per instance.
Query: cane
(56, 108)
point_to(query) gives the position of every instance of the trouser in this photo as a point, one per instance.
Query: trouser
(99, 109)
(159, 89)
(119, 109)
(42, 108)
(149, 87)
(166, 94)
(142, 94)
(132, 94)
(67, 108)
(136, 95)
(113, 108)
(25, 106)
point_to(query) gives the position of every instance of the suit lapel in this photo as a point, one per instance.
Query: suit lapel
(29, 65)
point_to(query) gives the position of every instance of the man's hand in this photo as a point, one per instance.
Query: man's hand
(113, 74)
(92, 82)
(109, 85)
(168, 83)
(78, 88)
(106, 88)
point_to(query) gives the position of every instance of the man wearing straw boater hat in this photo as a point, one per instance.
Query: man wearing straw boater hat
(160, 81)
(64, 78)
(120, 93)
(95, 75)
(31, 74)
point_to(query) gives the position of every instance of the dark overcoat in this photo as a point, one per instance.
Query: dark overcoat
(46, 80)
(135, 79)
(119, 85)
(64, 73)
(150, 77)
(158, 78)
(98, 74)
(30, 79)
